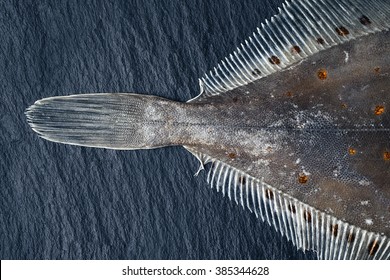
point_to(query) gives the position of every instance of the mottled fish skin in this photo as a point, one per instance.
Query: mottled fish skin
(295, 123)
(321, 141)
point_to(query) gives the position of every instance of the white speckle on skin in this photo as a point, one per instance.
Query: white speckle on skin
(262, 162)
(369, 222)
(346, 56)
(364, 88)
(364, 183)
(305, 172)
(278, 123)
(364, 202)
(329, 210)
(336, 171)
(298, 161)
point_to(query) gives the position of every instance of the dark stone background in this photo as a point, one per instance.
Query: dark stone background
(67, 202)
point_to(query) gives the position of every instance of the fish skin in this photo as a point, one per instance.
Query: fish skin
(311, 131)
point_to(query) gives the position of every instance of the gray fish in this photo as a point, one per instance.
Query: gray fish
(295, 123)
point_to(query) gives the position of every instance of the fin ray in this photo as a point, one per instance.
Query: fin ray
(300, 27)
(307, 227)
(102, 120)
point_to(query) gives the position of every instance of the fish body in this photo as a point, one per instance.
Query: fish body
(295, 124)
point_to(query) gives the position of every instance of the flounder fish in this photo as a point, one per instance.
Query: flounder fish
(295, 124)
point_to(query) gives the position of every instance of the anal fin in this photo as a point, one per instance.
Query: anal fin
(306, 227)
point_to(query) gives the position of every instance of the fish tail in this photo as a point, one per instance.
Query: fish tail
(105, 120)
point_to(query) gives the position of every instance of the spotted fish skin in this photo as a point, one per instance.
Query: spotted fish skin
(295, 124)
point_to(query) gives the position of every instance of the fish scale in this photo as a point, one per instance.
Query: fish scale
(295, 123)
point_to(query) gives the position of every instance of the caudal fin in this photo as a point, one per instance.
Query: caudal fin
(105, 120)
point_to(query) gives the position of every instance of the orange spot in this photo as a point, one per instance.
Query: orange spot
(334, 229)
(303, 179)
(307, 216)
(322, 74)
(351, 151)
(344, 106)
(289, 94)
(386, 155)
(342, 31)
(373, 247)
(274, 60)
(295, 49)
(379, 110)
(351, 237)
(232, 155)
(377, 70)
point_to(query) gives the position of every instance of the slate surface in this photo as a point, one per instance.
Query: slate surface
(66, 202)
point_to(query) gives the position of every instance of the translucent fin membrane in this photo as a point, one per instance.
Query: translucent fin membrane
(306, 227)
(103, 120)
(301, 29)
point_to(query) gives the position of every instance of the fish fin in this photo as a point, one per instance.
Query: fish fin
(306, 227)
(201, 91)
(104, 120)
(202, 158)
(301, 29)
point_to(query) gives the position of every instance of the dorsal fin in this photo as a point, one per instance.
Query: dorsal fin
(306, 227)
(301, 29)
